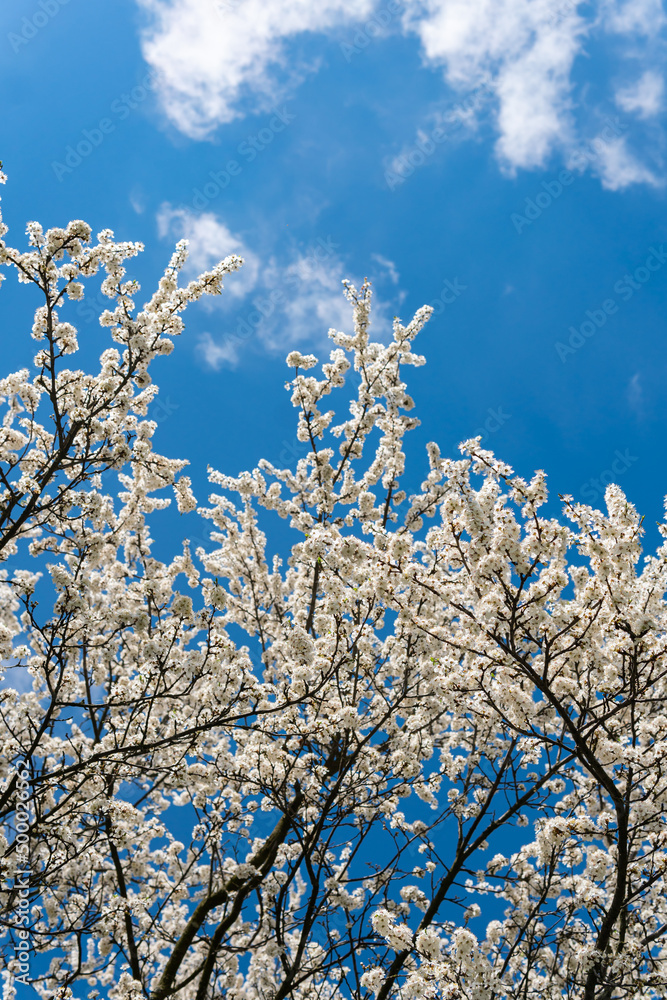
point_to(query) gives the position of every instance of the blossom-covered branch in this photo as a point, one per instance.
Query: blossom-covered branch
(420, 754)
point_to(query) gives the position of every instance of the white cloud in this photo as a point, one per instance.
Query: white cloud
(137, 201)
(216, 354)
(294, 302)
(633, 17)
(210, 241)
(644, 97)
(534, 104)
(210, 55)
(618, 168)
(316, 302)
(635, 395)
(388, 266)
(283, 304)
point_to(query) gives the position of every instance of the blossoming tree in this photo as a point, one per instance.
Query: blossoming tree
(422, 758)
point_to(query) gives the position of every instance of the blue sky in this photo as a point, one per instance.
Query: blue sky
(502, 160)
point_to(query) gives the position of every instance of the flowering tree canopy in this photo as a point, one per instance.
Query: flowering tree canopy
(423, 757)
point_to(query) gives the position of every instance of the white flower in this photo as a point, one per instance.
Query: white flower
(185, 498)
(297, 360)
(365, 654)
(181, 606)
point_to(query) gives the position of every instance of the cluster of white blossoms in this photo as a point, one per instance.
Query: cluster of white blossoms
(419, 754)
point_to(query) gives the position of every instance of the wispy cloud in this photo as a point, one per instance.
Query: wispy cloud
(388, 266)
(644, 97)
(618, 168)
(217, 354)
(635, 395)
(633, 17)
(295, 302)
(209, 242)
(293, 298)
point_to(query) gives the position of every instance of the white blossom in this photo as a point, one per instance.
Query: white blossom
(259, 771)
